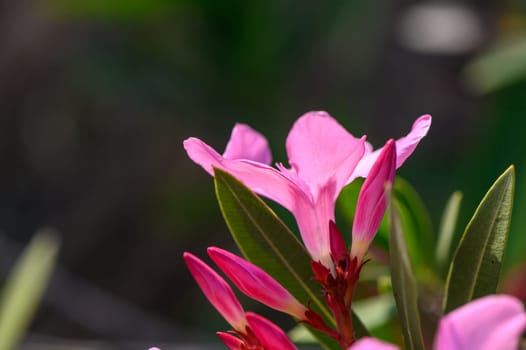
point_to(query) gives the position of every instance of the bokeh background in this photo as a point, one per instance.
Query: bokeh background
(97, 96)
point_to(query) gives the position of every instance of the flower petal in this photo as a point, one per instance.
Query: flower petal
(256, 283)
(372, 200)
(404, 148)
(202, 154)
(372, 344)
(246, 143)
(259, 177)
(492, 322)
(321, 150)
(217, 291)
(270, 336)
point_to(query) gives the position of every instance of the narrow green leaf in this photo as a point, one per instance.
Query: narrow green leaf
(404, 285)
(267, 242)
(447, 230)
(24, 288)
(475, 269)
(416, 226)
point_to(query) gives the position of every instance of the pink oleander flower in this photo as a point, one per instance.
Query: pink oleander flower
(257, 284)
(489, 323)
(323, 156)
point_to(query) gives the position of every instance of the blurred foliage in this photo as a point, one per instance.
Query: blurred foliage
(97, 96)
(21, 294)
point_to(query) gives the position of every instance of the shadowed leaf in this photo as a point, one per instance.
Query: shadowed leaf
(404, 285)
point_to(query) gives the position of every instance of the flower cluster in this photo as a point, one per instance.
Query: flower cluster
(324, 158)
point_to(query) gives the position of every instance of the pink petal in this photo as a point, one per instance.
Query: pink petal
(283, 187)
(266, 181)
(231, 342)
(260, 178)
(270, 336)
(217, 291)
(202, 154)
(321, 150)
(256, 283)
(404, 148)
(246, 143)
(313, 222)
(372, 344)
(488, 323)
(372, 200)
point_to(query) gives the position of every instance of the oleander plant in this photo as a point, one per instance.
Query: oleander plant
(362, 268)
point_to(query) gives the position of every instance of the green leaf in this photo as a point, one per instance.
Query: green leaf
(475, 269)
(447, 231)
(24, 288)
(416, 226)
(404, 285)
(267, 242)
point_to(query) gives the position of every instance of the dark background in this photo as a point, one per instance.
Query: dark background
(97, 96)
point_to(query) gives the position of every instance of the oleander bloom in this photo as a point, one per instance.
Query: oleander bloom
(323, 158)
(489, 323)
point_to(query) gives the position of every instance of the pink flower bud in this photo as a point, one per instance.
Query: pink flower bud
(217, 291)
(231, 342)
(269, 335)
(256, 283)
(372, 200)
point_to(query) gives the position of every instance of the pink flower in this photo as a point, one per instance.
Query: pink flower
(217, 291)
(372, 344)
(492, 322)
(256, 283)
(489, 323)
(323, 156)
(372, 200)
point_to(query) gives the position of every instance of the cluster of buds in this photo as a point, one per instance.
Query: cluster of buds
(250, 331)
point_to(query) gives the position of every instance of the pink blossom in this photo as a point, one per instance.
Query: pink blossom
(368, 343)
(489, 323)
(256, 283)
(492, 322)
(323, 156)
(217, 291)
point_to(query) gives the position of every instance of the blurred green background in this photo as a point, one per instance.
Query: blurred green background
(97, 96)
